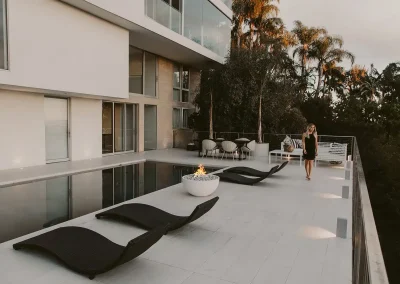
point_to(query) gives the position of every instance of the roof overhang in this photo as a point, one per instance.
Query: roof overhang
(147, 34)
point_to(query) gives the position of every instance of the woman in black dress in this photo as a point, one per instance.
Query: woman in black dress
(310, 148)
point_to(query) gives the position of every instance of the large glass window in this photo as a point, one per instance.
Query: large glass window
(119, 119)
(180, 117)
(119, 127)
(56, 128)
(108, 127)
(130, 129)
(142, 72)
(150, 127)
(135, 70)
(176, 118)
(150, 74)
(185, 116)
(181, 83)
(3, 35)
(208, 26)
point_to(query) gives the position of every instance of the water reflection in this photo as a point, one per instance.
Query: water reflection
(30, 207)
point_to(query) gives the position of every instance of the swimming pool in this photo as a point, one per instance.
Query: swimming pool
(33, 206)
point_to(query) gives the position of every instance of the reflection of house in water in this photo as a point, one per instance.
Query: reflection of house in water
(30, 207)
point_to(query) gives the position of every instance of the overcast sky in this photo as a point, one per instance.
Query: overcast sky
(370, 28)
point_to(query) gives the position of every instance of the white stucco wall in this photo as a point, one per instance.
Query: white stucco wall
(86, 128)
(131, 15)
(55, 46)
(22, 129)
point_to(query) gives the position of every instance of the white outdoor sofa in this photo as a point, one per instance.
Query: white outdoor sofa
(327, 151)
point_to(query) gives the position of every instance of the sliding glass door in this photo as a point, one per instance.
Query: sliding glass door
(108, 127)
(119, 119)
(130, 128)
(56, 129)
(150, 127)
(119, 127)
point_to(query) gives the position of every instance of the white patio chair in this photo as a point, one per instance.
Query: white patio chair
(209, 145)
(249, 148)
(229, 147)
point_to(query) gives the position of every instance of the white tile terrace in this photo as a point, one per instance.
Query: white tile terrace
(281, 231)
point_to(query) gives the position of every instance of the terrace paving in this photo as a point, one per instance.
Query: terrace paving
(281, 231)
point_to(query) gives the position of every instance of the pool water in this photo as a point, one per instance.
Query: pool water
(33, 206)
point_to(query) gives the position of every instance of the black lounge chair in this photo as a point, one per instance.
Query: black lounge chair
(240, 179)
(149, 217)
(253, 172)
(87, 252)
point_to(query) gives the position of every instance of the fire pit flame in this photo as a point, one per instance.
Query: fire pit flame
(200, 172)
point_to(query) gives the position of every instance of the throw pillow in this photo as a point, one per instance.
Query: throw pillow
(287, 141)
(298, 143)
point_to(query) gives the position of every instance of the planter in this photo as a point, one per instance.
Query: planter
(200, 185)
(262, 150)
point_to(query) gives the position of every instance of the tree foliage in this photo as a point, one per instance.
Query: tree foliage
(255, 90)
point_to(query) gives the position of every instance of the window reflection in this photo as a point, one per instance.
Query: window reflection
(206, 25)
(29, 207)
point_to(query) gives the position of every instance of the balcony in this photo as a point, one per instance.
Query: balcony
(164, 14)
(157, 27)
(201, 22)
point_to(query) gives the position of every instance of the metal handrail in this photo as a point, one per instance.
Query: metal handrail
(265, 137)
(368, 263)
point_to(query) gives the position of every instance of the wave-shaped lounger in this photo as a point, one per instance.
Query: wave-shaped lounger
(87, 252)
(253, 172)
(149, 217)
(240, 179)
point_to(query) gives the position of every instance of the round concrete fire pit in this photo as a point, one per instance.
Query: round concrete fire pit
(200, 185)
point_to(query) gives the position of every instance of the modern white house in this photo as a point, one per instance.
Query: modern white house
(81, 79)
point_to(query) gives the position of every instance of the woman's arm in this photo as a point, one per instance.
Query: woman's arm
(316, 144)
(304, 143)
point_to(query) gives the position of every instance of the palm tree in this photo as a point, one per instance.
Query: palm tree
(334, 77)
(328, 50)
(260, 16)
(370, 87)
(355, 77)
(306, 37)
(239, 8)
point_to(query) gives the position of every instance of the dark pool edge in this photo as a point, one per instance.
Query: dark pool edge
(67, 173)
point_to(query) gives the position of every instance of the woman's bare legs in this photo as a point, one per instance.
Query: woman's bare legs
(307, 166)
(310, 168)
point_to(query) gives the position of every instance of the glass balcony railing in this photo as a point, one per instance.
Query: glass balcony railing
(164, 14)
(203, 22)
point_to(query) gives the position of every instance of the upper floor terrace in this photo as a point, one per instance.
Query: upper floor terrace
(193, 32)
